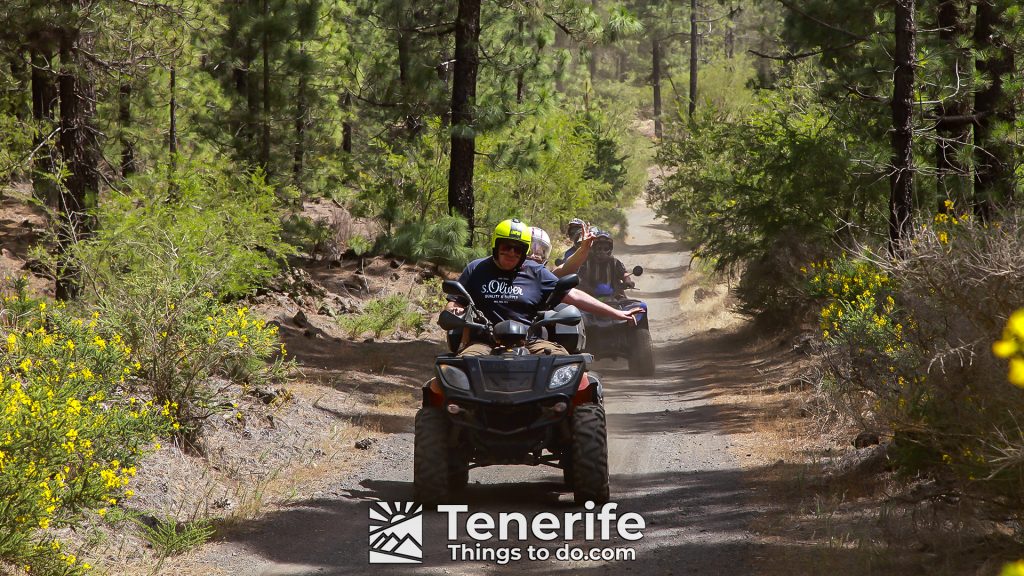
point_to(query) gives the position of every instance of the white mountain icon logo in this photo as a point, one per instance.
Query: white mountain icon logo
(396, 533)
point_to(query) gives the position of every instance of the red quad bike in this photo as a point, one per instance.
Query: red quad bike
(511, 407)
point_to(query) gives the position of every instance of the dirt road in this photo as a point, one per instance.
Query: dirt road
(669, 454)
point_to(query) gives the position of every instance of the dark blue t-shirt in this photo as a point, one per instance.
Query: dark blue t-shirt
(568, 254)
(507, 295)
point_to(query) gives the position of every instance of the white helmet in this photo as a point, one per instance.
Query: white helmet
(540, 247)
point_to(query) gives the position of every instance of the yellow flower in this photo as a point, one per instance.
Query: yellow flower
(1014, 569)
(1005, 348)
(1016, 376)
(1015, 325)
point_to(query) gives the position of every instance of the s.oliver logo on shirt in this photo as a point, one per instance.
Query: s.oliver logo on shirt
(501, 288)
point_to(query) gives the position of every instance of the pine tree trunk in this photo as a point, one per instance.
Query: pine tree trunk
(901, 225)
(124, 116)
(951, 175)
(656, 84)
(44, 99)
(346, 126)
(172, 111)
(463, 144)
(78, 145)
(521, 73)
(265, 139)
(301, 112)
(993, 176)
(694, 38)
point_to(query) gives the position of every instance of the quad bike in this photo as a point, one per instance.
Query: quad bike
(608, 338)
(511, 407)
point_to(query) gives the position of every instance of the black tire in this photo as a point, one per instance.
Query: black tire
(458, 473)
(430, 477)
(567, 474)
(589, 454)
(641, 357)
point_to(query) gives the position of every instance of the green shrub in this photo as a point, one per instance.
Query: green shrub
(163, 262)
(744, 184)
(171, 538)
(72, 429)
(382, 316)
(442, 241)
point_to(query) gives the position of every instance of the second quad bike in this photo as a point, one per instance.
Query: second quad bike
(511, 407)
(608, 338)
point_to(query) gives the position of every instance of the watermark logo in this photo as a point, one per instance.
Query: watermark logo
(396, 533)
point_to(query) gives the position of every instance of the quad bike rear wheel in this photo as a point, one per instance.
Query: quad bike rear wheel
(589, 454)
(458, 473)
(641, 358)
(431, 478)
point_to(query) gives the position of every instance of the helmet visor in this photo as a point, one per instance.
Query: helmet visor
(540, 251)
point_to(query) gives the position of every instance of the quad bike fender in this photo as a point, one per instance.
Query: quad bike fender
(589, 391)
(433, 395)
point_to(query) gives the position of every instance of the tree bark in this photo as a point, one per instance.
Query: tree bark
(594, 55)
(901, 225)
(124, 116)
(172, 110)
(656, 84)
(44, 99)
(78, 145)
(346, 126)
(301, 112)
(521, 73)
(693, 57)
(265, 119)
(993, 176)
(463, 143)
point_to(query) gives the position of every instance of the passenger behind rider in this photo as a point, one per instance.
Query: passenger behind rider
(540, 250)
(578, 232)
(603, 275)
(508, 286)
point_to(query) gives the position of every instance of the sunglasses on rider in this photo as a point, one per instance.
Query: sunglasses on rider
(514, 246)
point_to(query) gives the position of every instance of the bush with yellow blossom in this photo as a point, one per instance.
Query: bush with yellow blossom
(1011, 347)
(71, 432)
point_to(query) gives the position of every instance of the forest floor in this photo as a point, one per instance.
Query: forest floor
(749, 478)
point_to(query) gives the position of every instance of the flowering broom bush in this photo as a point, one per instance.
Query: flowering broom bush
(911, 342)
(71, 432)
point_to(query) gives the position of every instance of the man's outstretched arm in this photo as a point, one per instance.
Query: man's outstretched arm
(588, 303)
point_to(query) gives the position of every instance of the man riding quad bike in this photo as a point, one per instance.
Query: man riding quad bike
(604, 277)
(510, 396)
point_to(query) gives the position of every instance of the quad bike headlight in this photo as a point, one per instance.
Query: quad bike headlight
(563, 375)
(453, 377)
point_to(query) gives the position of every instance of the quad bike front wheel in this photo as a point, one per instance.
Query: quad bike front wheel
(641, 357)
(589, 454)
(430, 477)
